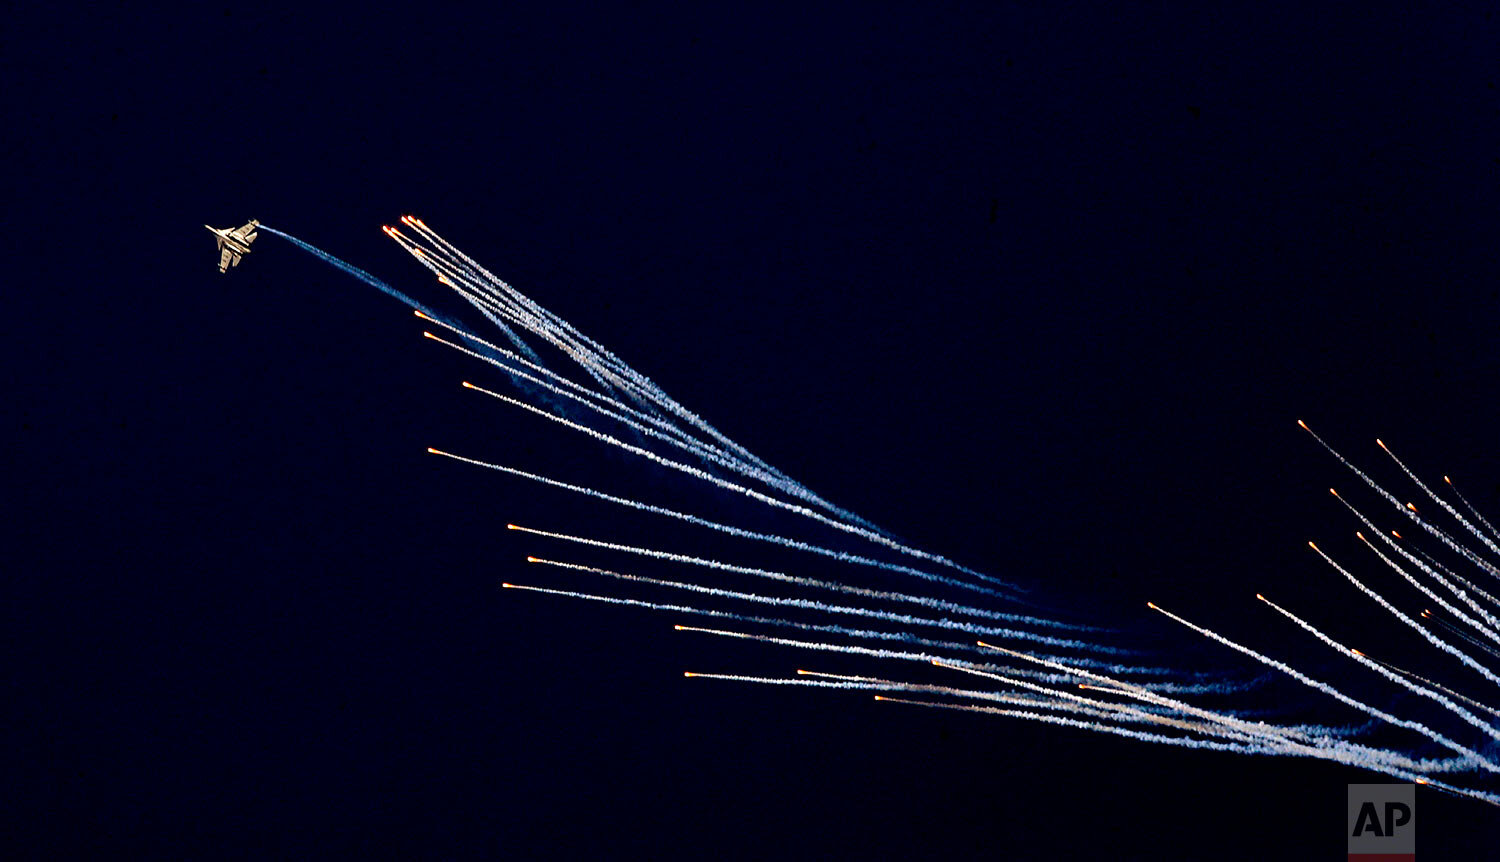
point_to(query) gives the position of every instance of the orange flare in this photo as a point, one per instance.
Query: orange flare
(1304, 425)
(532, 560)
(1152, 606)
(1259, 596)
(511, 527)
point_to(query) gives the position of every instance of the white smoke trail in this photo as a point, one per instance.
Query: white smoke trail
(1433, 685)
(1359, 657)
(772, 538)
(823, 607)
(1440, 501)
(629, 398)
(1472, 511)
(1404, 508)
(1460, 594)
(670, 404)
(1097, 727)
(925, 601)
(709, 455)
(1426, 591)
(583, 391)
(596, 358)
(1413, 624)
(740, 489)
(822, 628)
(1325, 688)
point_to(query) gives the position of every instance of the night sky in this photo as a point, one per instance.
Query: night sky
(1042, 289)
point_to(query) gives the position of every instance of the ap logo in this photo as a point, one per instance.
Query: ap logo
(1382, 825)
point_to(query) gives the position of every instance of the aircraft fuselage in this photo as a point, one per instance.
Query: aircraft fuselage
(226, 239)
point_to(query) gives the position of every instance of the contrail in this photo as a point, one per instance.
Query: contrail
(1357, 656)
(772, 538)
(1177, 703)
(940, 604)
(824, 607)
(353, 270)
(1439, 500)
(1413, 624)
(1326, 688)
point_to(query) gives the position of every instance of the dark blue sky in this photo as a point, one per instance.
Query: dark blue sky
(1042, 289)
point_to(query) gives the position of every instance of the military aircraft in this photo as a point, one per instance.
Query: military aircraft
(234, 243)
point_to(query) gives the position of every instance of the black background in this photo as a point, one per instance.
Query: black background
(1044, 289)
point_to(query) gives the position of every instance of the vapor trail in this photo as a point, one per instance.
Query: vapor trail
(1413, 624)
(823, 607)
(772, 538)
(941, 604)
(613, 394)
(352, 270)
(1325, 688)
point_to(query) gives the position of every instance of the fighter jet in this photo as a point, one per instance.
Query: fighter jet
(234, 243)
